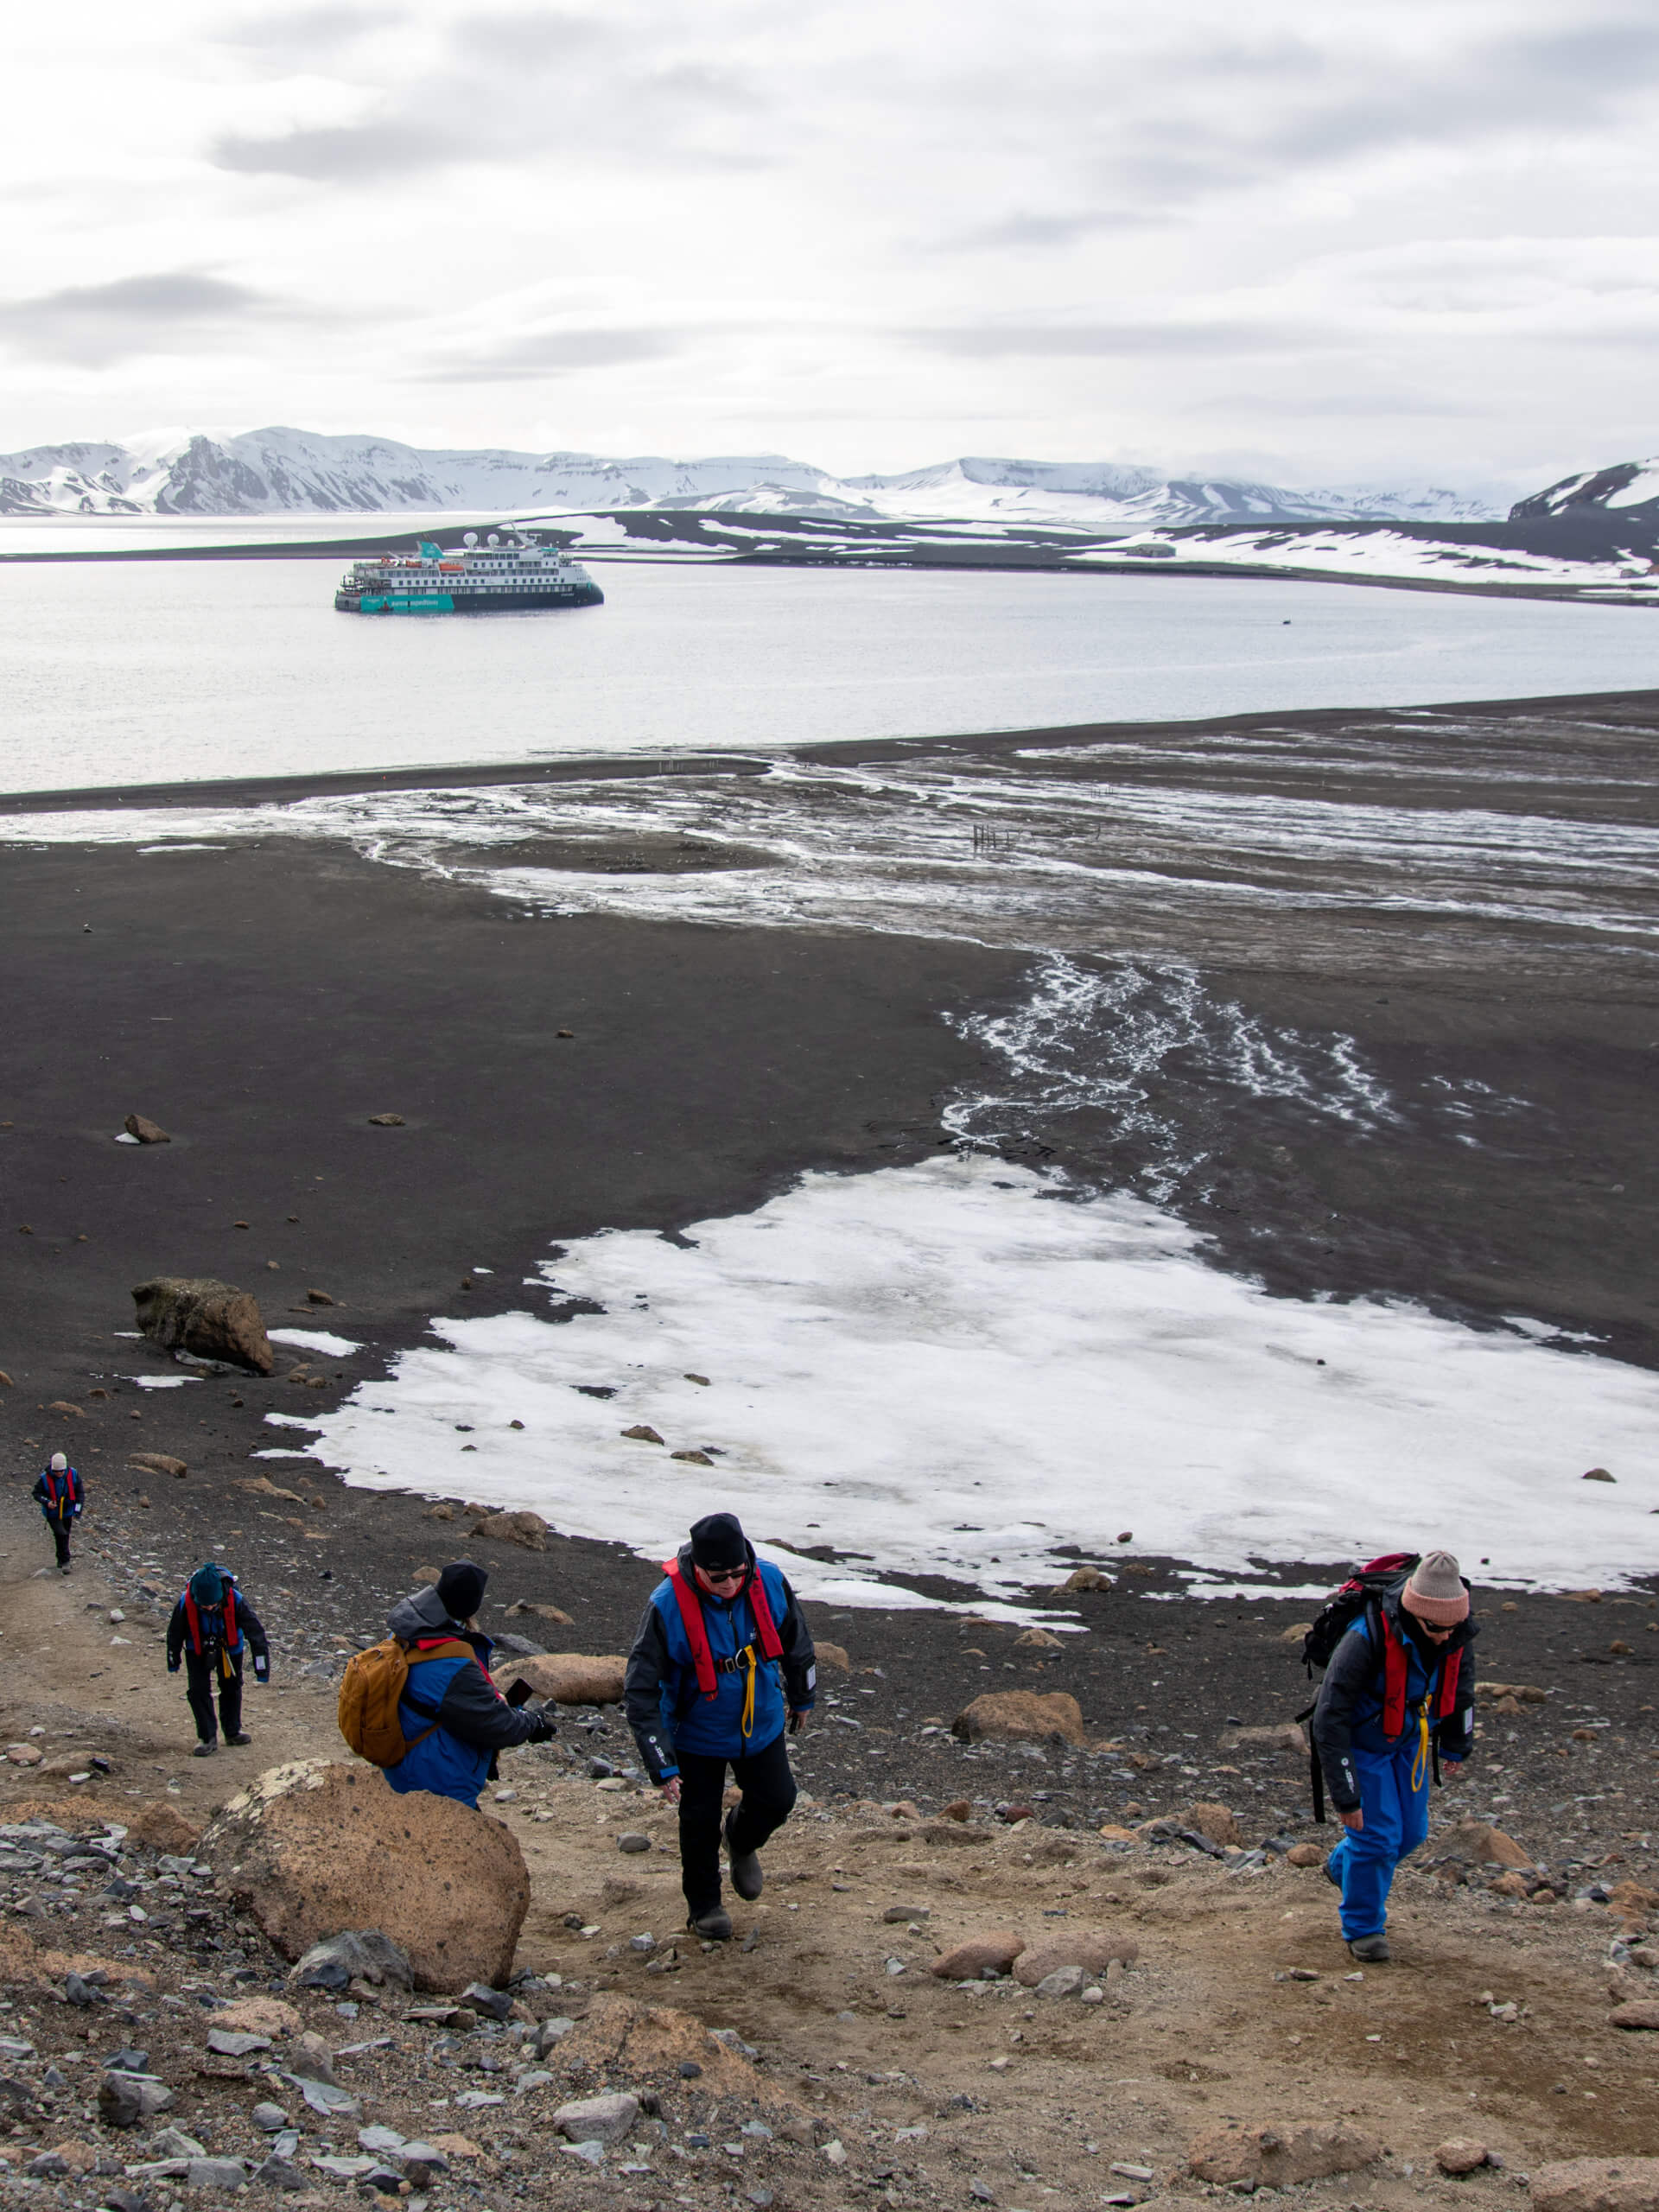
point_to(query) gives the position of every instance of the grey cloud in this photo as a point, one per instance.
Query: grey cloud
(92, 324)
(1026, 229)
(343, 153)
(555, 353)
(551, 38)
(1108, 340)
(310, 31)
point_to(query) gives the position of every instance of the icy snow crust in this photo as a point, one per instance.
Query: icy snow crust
(908, 1365)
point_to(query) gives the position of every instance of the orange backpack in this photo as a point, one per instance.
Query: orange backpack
(374, 1684)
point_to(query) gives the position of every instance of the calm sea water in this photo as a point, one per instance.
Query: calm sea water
(124, 672)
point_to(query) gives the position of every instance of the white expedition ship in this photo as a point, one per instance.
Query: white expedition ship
(507, 573)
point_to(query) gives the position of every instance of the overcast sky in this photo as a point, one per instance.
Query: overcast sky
(1353, 244)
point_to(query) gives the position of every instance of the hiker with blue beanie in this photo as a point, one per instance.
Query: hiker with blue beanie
(60, 1494)
(212, 1627)
(722, 1670)
(453, 1717)
(1397, 1701)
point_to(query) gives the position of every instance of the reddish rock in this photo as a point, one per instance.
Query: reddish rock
(146, 1131)
(571, 1677)
(1640, 2013)
(995, 1952)
(1305, 1854)
(213, 1319)
(1089, 1949)
(1460, 2156)
(1214, 1821)
(1596, 2185)
(1279, 2157)
(1021, 1717)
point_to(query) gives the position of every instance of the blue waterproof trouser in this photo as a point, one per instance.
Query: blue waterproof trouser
(1394, 1786)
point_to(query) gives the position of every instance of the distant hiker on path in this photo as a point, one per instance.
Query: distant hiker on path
(212, 1626)
(445, 1717)
(60, 1494)
(1398, 1696)
(722, 1667)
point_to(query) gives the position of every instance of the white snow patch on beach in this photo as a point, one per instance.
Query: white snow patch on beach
(955, 1369)
(314, 1340)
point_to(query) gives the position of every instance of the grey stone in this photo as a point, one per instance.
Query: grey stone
(633, 1842)
(270, 2118)
(594, 2152)
(277, 2172)
(1064, 1982)
(217, 2173)
(229, 2042)
(600, 2120)
(497, 2003)
(380, 2139)
(421, 2163)
(125, 2099)
(357, 1954)
(313, 2061)
(173, 2143)
(552, 2031)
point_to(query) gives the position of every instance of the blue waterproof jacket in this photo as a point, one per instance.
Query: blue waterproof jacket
(666, 1710)
(473, 1720)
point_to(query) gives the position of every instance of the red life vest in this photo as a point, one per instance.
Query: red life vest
(192, 1621)
(1444, 1702)
(61, 1489)
(697, 1635)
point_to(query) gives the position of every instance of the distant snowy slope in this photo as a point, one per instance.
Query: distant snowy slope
(279, 470)
(1629, 488)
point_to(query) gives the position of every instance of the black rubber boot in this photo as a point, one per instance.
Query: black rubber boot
(748, 1879)
(239, 1737)
(714, 1926)
(1370, 1950)
(205, 1751)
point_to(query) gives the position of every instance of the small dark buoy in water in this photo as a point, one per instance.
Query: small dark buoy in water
(1285, 624)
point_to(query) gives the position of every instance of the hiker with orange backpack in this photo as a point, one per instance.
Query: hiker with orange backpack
(213, 1625)
(722, 1669)
(450, 1719)
(1397, 1701)
(60, 1494)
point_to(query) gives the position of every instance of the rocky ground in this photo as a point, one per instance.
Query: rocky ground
(853, 2070)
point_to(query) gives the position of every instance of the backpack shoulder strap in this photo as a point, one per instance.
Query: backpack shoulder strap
(697, 1634)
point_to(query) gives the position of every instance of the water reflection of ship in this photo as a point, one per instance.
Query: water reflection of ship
(506, 574)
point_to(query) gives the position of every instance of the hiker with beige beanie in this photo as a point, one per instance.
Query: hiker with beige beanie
(1396, 1703)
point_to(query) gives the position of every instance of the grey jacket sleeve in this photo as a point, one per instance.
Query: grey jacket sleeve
(475, 1710)
(642, 1696)
(1347, 1678)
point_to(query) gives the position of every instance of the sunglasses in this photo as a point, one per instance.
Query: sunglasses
(724, 1573)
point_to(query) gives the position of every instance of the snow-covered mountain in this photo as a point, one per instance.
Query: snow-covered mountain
(296, 472)
(1628, 488)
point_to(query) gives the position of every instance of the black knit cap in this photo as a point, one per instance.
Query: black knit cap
(717, 1540)
(461, 1588)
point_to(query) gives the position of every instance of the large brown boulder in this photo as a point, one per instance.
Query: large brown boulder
(1596, 2185)
(213, 1320)
(1278, 2157)
(995, 1952)
(528, 1529)
(1021, 1717)
(315, 1847)
(568, 1677)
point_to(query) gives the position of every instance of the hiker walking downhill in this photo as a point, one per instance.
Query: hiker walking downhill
(1397, 1699)
(60, 1493)
(721, 1667)
(212, 1627)
(451, 1719)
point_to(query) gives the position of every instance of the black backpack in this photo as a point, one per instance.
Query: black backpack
(1362, 1591)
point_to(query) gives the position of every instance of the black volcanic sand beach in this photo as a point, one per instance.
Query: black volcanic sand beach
(261, 1001)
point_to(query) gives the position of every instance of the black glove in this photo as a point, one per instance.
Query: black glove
(172, 1666)
(544, 1730)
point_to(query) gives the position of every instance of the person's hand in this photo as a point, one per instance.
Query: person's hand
(544, 1730)
(1450, 1764)
(172, 1666)
(798, 1720)
(1354, 1819)
(671, 1790)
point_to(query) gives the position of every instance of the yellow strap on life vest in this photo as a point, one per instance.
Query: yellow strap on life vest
(748, 1653)
(1419, 1765)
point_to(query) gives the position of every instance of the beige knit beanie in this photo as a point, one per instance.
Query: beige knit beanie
(1435, 1593)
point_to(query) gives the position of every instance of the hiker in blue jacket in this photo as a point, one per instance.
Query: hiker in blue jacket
(454, 1717)
(722, 1668)
(1399, 1693)
(60, 1494)
(212, 1626)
